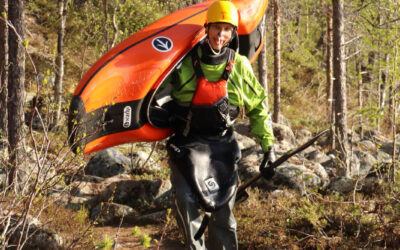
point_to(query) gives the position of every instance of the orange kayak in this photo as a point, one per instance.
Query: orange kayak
(111, 103)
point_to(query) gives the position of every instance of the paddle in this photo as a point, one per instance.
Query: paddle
(242, 194)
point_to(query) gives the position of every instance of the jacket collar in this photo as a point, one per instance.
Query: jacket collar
(208, 57)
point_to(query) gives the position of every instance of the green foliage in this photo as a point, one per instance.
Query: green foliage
(372, 113)
(145, 241)
(312, 213)
(105, 244)
(136, 231)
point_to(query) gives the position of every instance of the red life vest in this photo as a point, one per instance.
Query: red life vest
(210, 112)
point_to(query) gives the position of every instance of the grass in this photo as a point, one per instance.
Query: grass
(320, 221)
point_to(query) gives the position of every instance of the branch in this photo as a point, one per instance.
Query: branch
(351, 40)
(350, 56)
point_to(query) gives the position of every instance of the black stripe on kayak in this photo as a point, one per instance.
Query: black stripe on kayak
(114, 118)
(132, 45)
(250, 43)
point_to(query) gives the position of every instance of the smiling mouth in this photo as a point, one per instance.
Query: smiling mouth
(219, 41)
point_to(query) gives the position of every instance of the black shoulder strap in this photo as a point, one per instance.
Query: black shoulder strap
(196, 62)
(229, 65)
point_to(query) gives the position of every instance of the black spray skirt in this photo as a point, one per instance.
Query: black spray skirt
(209, 165)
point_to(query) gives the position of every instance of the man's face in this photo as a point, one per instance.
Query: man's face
(219, 34)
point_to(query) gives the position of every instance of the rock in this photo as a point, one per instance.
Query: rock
(249, 164)
(283, 133)
(367, 162)
(383, 158)
(284, 121)
(320, 171)
(245, 142)
(140, 158)
(107, 163)
(89, 178)
(317, 156)
(296, 176)
(283, 146)
(74, 202)
(30, 170)
(243, 128)
(342, 185)
(140, 194)
(366, 145)
(370, 185)
(384, 144)
(83, 188)
(354, 165)
(112, 213)
(155, 217)
(302, 136)
(37, 237)
(324, 140)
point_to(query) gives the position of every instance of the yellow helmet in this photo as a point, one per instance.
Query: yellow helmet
(223, 11)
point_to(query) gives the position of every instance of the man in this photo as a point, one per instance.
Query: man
(209, 87)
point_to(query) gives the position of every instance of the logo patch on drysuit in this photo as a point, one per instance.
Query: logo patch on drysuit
(162, 44)
(211, 185)
(127, 117)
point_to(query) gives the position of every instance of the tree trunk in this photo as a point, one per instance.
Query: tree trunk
(360, 95)
(339, 87)
(263, 68)
(329, 82)
(394, 116)
(277, 63)
(3, 70)
(115, 25)
(106, 25)
(62, 5)
(16, 90)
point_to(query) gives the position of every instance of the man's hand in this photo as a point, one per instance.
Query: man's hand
(265, 169)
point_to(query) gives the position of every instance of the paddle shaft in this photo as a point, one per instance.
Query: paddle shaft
(279, 161)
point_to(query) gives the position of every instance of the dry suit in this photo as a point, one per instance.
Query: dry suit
(208, 92)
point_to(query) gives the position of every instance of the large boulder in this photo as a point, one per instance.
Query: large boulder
(144, 163)
(245, 142)
(367, 145)
(250, 163)
(367, 162)
(342, 185)
(320, 171)
(302, 136)
(107, 163)
(141, 194)
(283, 133)
(108, 213)
(243, 127)
(317, 156)
(296, 176)
(35, 235)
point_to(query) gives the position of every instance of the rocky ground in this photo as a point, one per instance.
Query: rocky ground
(115, 186)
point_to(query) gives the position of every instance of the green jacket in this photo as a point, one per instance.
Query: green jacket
(243, 90)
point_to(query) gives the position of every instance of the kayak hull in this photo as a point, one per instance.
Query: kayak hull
(110, 104)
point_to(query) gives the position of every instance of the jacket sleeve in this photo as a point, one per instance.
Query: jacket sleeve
(253, 97)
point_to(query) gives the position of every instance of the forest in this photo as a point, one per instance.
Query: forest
(324, 64)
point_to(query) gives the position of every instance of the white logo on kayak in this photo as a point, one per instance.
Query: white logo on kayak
(127, 117)
(162, 44)
(211, 184)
